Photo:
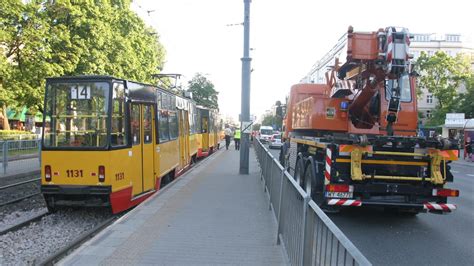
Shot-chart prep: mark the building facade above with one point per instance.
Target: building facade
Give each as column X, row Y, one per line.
column 452, row 45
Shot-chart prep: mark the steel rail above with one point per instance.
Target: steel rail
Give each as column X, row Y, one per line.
column 20, row 183
column 51, row 260
column 19, row 199
column 24, row 223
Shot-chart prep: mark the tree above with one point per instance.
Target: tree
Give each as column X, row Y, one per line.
column 442, row 76
column 256, row 127
column 466, row 103
column 42, row 38
column 203, row 91
column 272, row 120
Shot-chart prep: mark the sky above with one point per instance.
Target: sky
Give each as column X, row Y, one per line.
column 286, row 38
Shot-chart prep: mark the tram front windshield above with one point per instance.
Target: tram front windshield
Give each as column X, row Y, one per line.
column 76, row 115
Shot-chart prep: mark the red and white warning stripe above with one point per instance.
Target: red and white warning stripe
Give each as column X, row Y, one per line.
column 327, row 172
column 345, row 202
column 439, row 206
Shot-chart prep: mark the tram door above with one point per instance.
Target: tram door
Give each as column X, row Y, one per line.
column 205, row 134
column 141, row 124
column 184, row 138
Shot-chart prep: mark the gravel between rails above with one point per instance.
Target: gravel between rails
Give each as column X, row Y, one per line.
column 41, row 239
column 19, row 191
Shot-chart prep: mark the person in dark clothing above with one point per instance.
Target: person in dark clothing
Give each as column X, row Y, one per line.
column 469, row 150
column 227, row 133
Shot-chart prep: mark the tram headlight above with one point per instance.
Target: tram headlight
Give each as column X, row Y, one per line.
column 47, row 173
column 101, row 173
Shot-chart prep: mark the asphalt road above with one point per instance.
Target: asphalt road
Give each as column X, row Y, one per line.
column 426, row 239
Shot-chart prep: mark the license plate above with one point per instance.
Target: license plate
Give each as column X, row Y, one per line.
column 343, row 195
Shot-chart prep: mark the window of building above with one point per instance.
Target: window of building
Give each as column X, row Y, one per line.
column 118, row 133
column 173, row 121
column 428, row 114
column 429, row 98
column 163, row 128
column 452, row 38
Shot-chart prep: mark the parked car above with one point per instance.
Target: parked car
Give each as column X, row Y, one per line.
column 275, row 141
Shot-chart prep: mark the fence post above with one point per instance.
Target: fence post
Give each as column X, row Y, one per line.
column 309, row 235
column 269, row 188
column 280, row 209
column 265, row 175
column 306, row 199
column 5, row 156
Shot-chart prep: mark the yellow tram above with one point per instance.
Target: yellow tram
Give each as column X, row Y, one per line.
column 113, row 142
column 207, row 138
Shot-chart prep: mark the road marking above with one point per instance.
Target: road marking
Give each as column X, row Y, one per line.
column 456, row 172
column 470, row 174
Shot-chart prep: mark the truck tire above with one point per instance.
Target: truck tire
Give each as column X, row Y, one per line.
column 314, row 186
column 299, row 170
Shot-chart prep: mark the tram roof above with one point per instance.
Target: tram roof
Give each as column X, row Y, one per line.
column 142, row 93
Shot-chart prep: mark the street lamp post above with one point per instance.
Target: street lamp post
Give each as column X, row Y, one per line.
column 245, row 100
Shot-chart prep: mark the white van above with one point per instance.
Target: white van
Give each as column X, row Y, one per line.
column 265, row 133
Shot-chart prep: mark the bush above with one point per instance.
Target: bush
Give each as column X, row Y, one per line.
column 17, row 135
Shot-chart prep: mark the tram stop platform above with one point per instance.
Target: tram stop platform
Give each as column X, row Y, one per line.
column 209, row 216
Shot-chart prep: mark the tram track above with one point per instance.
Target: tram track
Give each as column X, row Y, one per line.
column 23, row 223
column 49, row 236
column 52, row 259
column 7, row 191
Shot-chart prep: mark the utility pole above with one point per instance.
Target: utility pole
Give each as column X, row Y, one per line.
column 245, row 100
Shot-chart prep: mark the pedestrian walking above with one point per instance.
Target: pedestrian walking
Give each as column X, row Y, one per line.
column 237, row 139
column 227, row 133
column 469, row 150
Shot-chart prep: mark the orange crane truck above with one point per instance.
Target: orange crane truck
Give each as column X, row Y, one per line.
column 353, row 140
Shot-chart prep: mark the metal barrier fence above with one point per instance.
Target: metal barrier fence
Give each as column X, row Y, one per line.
column 20, row 156
column 307, row 233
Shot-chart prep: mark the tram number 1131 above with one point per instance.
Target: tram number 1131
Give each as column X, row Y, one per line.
column 119, row 176
column 74, row 173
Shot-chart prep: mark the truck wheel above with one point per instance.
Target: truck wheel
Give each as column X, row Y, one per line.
column 299, row 170
column 313, row 185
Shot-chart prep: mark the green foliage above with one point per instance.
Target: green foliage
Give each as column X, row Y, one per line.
column 256, row 127
column 16, row 135
column 41, row 38
column 203, row 91
column 466, row 102
column 271, row 120
column 442, row 76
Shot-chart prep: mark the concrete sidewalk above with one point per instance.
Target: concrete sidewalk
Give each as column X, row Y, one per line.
column 22, row 167
column 462, row 161
column 210, row 216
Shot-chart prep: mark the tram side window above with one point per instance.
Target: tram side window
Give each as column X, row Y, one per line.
column 197, row 118
column 204, row 125
column 147, row 124
column 118, row 134
column 163, row 127
column 135, row 123
column 174, row 130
